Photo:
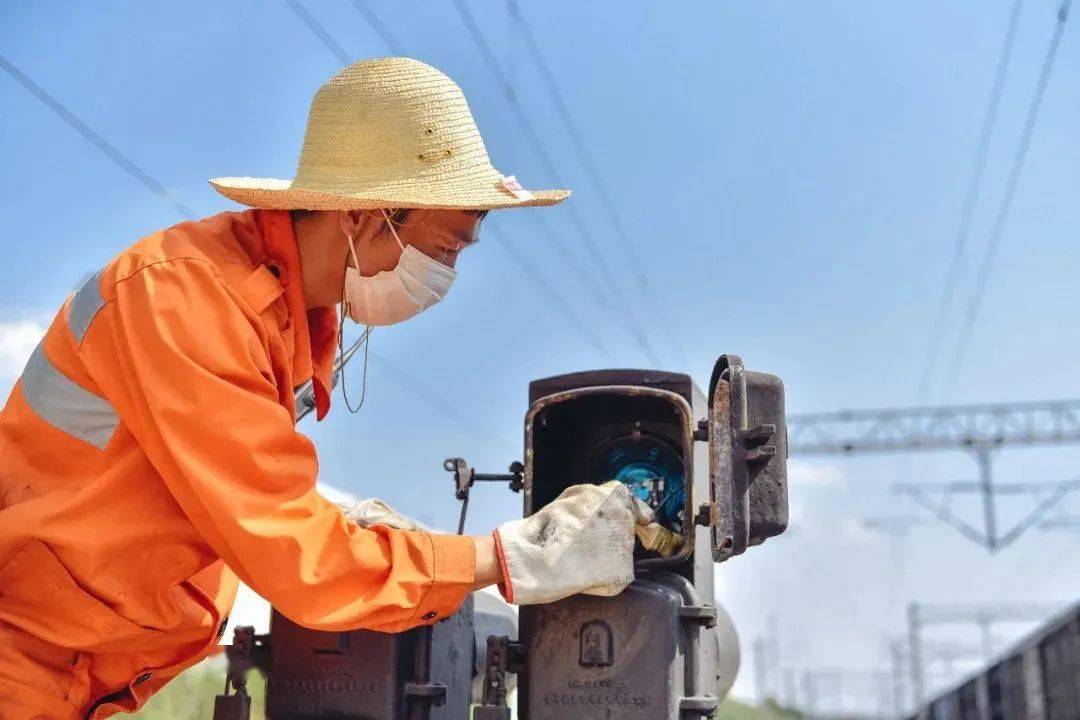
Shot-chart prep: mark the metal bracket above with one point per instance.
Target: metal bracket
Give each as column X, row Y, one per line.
column 233, row 707
column 247, row 651
column 432, row 692
column 753, row 442
column 698, row 706
column 465, row 477
column 704, row 614
column 701, row 432
column 502, row 657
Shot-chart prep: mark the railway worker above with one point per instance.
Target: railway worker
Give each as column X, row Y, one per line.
column 149, row 456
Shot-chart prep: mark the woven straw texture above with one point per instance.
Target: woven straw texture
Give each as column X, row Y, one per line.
column 388, row 133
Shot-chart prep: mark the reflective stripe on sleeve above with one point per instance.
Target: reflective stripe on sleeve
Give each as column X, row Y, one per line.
column 66, row 405
column 84, row 306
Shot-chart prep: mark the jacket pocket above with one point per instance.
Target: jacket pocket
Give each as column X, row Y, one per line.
column 39, row 596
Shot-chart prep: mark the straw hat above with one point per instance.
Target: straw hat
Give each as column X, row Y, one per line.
column 389, row 133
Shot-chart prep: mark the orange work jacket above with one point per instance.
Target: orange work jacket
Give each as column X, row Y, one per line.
column 148, row 457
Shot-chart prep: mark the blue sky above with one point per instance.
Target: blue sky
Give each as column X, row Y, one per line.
column 791, row 175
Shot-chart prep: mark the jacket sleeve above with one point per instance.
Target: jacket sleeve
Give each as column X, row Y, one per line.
column 192, row 380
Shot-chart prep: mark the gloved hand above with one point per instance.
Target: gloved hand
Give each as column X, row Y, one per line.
column 374, row 511
column 583, row 541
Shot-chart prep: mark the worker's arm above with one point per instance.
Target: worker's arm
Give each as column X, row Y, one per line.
column 373, row 511
column 191, row 379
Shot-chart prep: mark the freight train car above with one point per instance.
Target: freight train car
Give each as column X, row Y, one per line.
column 1038, row 679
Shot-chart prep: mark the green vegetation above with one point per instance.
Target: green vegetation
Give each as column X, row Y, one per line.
column 191, row 697
column 735, row 710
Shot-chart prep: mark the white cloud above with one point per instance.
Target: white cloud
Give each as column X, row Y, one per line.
column 18, row 337
column 803, row 474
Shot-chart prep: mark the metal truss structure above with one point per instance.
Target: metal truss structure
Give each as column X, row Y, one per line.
column 978, row 429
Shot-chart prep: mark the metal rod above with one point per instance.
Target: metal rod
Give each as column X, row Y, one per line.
column 944, row 515
column 915, row 654
column 986, row 477
column 464, row 509
column 420, row 707
column 1041, row 509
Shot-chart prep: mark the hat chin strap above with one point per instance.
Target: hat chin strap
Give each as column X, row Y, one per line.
column 393, row 230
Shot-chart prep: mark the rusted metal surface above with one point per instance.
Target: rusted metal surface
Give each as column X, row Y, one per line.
column 649, row 653
column 682, row 430
column 366, row 675
column 677, row 383
column 1038, row 679
column 501, row 657
column 1006, row 699
column 1059, row 653
column 592, row 658
column 748, row 457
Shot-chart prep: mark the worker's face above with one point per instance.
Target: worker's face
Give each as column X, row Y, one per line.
column 440, row 234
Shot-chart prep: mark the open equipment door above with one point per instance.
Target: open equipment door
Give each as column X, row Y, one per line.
column 747, row 457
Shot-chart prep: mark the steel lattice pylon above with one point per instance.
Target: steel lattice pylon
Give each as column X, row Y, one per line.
column 978, row 429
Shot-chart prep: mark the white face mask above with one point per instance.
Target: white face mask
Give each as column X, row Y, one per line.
column 416, row 283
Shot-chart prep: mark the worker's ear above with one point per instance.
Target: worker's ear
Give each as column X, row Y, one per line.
column 351, row 221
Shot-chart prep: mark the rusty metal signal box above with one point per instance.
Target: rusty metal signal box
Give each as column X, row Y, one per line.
column 363, row 674
column 714, row 470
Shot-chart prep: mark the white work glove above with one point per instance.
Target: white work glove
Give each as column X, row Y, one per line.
column 374, row 511
column 582, row 542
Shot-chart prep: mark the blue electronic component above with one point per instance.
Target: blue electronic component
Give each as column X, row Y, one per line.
column 652, row 471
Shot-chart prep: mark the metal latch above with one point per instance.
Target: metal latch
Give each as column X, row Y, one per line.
column 247, row 651
column 465, row 476
column 704, row 614
column 502, row 657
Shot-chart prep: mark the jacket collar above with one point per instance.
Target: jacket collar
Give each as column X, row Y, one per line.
column 314, row 331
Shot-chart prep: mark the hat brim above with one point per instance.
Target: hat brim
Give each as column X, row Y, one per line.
column 278, row 194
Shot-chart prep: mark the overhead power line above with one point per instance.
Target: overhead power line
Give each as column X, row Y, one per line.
column 631, row 321
column 549, row 294
column 556, row 240
column 94, row 138
column 998, row 230
column 573, row 262
column 595, row 177
column 158, row 189
column 381, row 30
column 552, row 296
column 320, row 32
column 970, row 199
column 436, row 401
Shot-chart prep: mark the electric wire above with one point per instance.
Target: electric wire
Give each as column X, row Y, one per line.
column 558, row 242
column 380, row 29
column 424, row 393
column 971, row 197
column 998, row 229
column 320, row 32
column 94, row 138
column 629, row 316
column 551, row 295
column 436, row 401
column 159, row 190
column 628, row 248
